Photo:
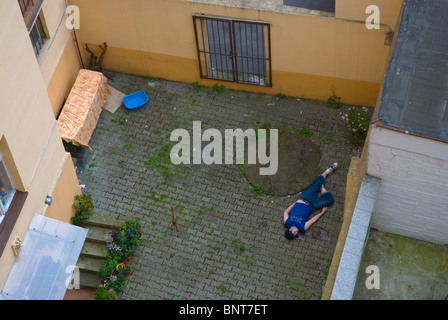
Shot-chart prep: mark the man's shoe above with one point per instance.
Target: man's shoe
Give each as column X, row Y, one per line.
column 332, row 168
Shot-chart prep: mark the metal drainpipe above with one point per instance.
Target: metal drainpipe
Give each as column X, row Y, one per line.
column 75, row 38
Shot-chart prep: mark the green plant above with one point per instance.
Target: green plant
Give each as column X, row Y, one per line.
column 161, row 164
column 266, row 126
column 303, row 132
column 129, row 236
column 120, row 250
column 102, row 293
column 357, row 122
column 306, row 133
column 173, row 295
column 250, row 261
column 280, row 96
column 218, row 88
column 336, row 213
column 222, row 288
column 334, row 101
column 83, row 208
column 257, row 189
column 242, row 170
column 329, row 139
column 197, row 86
column 121, row 163
column 122, row 121
column 288, row 284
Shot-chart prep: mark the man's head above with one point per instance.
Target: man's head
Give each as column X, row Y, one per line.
column 292, row 233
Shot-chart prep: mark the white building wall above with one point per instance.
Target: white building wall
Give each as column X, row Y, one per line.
column 413, row 197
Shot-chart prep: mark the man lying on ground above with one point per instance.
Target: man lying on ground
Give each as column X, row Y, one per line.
column 296, row 216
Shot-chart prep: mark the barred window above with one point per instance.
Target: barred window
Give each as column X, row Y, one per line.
column 7, row 190
column 233, row 50
column 38, row 36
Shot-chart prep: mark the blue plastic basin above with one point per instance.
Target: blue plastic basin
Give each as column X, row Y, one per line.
column 135, row 100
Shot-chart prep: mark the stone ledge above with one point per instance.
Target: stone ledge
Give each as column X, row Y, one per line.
column 347, row 273
column 102, row 221
column 267, row 5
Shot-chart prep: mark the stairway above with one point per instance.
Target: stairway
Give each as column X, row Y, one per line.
column 94, row 251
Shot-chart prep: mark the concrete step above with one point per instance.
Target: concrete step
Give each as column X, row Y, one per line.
column 91, row 265
column 94, row 250
column 102, row 221
column 99, row 235
column 89, row 280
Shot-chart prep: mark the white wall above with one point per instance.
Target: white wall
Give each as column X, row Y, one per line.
column 413, row 197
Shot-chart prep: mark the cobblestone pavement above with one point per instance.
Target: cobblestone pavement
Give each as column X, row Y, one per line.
column 231, row 243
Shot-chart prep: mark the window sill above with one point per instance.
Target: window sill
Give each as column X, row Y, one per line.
column 10, row 218
column 43, row 52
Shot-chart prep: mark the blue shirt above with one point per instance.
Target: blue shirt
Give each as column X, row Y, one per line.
column 298, row 216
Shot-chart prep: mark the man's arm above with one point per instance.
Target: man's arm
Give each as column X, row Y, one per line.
column 286, row 212
column 314, row 219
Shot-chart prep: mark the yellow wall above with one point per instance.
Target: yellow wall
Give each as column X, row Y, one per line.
column 311, row 55
column 29, row 138
column 64, row 77
column 63, row 192
column 59, row 62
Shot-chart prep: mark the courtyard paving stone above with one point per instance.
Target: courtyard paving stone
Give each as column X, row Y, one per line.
column 231, row 243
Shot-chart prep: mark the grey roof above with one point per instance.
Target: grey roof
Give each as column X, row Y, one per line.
column 415, row 91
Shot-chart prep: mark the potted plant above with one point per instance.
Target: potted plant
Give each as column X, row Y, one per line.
column 120, row 250
column 83, row 208
column 102, row 293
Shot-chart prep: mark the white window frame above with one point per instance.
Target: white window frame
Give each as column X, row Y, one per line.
column 4, row 207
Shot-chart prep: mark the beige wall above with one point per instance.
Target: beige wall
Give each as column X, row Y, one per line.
column 53, row 16
column 26, row 122
column 311, row 55
column 30, row 140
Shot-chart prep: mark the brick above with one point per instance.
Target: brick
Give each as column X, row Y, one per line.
column 196, row 268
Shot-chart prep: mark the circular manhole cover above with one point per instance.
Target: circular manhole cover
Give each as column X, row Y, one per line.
column 298, row 158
